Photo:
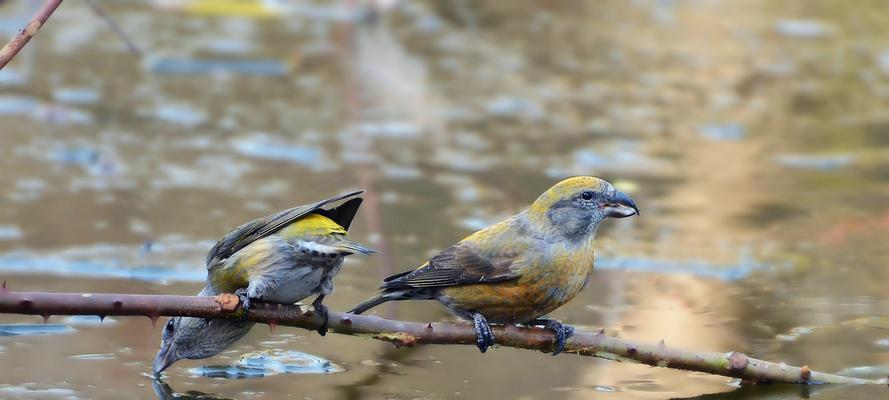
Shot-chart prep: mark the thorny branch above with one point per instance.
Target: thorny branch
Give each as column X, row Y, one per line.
column 21, row 39
column 402, row 333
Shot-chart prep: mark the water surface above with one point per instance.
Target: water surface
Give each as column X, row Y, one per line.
column 754, row 136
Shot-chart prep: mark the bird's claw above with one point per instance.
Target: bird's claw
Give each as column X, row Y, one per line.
column 321, row 309
column 484, row 337
column 562, row 332
column 245, row 301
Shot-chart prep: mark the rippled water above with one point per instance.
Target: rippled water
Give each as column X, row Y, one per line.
column 263, row 364
column 754, row 135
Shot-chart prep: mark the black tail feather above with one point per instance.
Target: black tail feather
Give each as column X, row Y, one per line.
column 394, row 295
column 370, row 303
column 344, row 214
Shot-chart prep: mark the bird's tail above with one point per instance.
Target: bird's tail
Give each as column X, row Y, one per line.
column 349, row 247
column 383, row 297
column 391, row 295
column 370, row 303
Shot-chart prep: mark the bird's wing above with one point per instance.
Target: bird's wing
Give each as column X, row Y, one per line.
column 245, row 234
column 461, row 264
column 344, row 213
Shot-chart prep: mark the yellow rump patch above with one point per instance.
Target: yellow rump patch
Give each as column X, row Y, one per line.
column 312, row 224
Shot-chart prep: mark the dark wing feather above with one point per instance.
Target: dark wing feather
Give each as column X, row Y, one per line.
column 457, row 265
column 343, row 214
column 398, row 275
column 257, row 229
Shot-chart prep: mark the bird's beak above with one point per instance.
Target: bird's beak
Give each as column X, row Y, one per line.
column 620, row 206
column 165, row 357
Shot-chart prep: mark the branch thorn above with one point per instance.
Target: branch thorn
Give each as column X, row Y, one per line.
column 153, row 318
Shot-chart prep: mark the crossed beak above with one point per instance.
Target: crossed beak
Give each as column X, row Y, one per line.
column 620, row 206
column 165, row 357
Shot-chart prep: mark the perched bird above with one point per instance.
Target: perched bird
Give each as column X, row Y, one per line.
column 520, row 269
column 282, row 258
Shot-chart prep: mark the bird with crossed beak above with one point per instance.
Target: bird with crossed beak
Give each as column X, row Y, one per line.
column 520, row 269
column 282, row 258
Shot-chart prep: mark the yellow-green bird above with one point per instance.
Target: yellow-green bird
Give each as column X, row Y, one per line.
column 281, row 258
column 520, row 269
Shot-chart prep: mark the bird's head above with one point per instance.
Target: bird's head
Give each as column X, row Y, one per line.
column 175, row 344
column 196, row 338
column 576, row 206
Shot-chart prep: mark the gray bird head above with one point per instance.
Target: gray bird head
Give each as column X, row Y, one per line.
column 196, row 338
column 574, row 207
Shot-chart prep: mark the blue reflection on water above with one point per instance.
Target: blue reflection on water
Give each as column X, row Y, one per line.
column 260, row 364
column 34, row 329
column 33, row 264
column 97, row 269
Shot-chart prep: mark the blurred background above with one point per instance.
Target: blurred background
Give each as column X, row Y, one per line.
column 754, row 135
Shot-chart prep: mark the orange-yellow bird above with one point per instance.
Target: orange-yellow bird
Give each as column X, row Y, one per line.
column 520, row 269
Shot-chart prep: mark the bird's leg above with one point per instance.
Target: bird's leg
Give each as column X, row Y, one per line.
column 245, row 301
column 321, row 309
column 484, row 337
column 562, row 332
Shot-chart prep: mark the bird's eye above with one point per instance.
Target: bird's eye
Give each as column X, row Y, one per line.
column 167, row 335
column 587, row 195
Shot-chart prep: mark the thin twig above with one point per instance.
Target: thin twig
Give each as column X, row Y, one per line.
column 21, row 39
column 402, row 333
column 100, row 12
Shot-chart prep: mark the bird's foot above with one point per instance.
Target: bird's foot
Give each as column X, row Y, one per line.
column 484, row 337
column 321, row 309
column 562, row 332
column 245, row 302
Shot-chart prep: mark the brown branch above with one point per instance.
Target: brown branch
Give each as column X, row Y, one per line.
column 21, row 39
column 402, row 333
